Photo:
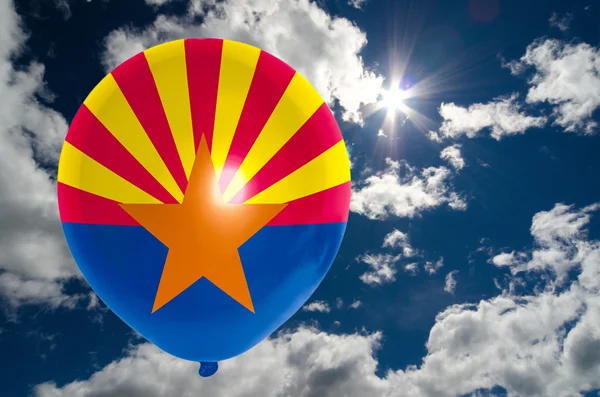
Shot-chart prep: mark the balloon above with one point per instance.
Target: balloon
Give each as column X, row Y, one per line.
column 204, row 190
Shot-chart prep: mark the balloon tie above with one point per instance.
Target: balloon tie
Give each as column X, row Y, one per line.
column 208, row 368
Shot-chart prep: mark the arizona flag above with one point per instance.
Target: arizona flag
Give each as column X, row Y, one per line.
column 204, row 189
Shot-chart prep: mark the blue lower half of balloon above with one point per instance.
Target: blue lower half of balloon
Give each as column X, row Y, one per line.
column 283, row 267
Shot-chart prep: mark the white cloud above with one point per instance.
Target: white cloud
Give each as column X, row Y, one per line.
column 504, row 259
column 156, row 3
column 356, row 304
column 450, row 284
column 433, row 267
column 558, row 242
column 453, row 156
column 538, row 345
column 18, row 290
column 305, row 363
column 514, row 342
column 561, row 23
column 397, row 239
column 457, row 202
column 483, row 163
column 63, row 6
column 400, row 191
column 328, row 53
column 566, row 76
column 33, row 252
column 317, row 306
column 503, row 116
column 358, row 4
column 412, row 268
column 434, row 136
column 383, row 268
column 541, row 345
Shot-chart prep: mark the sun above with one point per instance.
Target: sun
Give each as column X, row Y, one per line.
column 393, row 100
column 397, row 100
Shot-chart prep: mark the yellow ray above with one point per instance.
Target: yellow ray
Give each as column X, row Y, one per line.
column 238, row 63
column 80, row 171
column 329, row 169
column 167, row 63
column 299, row 102
column 109, row 105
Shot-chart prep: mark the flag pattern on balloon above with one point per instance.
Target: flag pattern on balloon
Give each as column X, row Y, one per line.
column 271, row 140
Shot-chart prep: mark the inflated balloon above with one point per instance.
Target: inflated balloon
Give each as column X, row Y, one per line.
column 204, row 190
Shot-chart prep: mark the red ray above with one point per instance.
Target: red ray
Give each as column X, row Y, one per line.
column 270, row 80
column 90, row 136
column 135, row 79
column 77, row 206
column 317, row 135
column 203, row 61
column 328, row 206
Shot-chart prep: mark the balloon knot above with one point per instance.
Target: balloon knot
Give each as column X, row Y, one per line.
column 208, row 368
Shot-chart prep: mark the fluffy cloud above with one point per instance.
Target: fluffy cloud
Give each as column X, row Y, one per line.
column 383, row 268
column 33, row 254
column 453, row 156
column 400, row 191
column 566, row 76
column 433, row 267
column 324, row 307
column 358, row 4
column 434, row 136
column 450, row 282
column 504, row 259
column 503, row 116
column 558, row 242
column 156, row 3
column 545, row 344
column 397, row 239
column 305, row 363
column 317, row 306
column 561, row 23
column 539, row 345
column 412, row 268
column 356, row 304
column 18, row 290
column 328, row 53
column 63, row 6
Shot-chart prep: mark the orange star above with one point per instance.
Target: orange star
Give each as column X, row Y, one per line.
column 203, row 235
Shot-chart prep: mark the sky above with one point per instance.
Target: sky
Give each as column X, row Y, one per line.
column 471, row 260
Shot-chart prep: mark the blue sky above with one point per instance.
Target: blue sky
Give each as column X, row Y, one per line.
column 471, row 261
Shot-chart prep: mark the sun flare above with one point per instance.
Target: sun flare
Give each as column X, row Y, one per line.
column 393, row 100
